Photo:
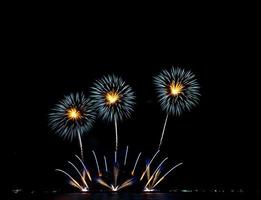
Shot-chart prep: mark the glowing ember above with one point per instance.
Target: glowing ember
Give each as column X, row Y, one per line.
column 73, row 114
column 175, row 89
column 112, row 97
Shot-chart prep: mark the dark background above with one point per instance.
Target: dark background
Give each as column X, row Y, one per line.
column 48, row 57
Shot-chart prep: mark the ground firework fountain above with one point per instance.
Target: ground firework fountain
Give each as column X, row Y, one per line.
column 113, row 178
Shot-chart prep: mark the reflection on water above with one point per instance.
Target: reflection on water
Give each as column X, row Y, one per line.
column 117, row 196
column 131, row 196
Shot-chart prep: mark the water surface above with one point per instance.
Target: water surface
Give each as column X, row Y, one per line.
column 131, row 196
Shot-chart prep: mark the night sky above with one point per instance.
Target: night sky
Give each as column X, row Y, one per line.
column 217, row 141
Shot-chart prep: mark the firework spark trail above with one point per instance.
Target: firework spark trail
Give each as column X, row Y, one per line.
column 105, row 163
column 148, row 172
column 155, row 177
column 83, row 180
column 156, row 170
column 87, row 172
column 80, row 143
column 116, row 187
column 76, row 184
column 163, row 131
column 149, row 165
column 126, row 183
column 133, row 170
column 115, row 157
column 115, row 174
column 82, row 189
column 97, row 163
column 126, row 154
column 116, row 134
column 102, row 182
column 166, row 174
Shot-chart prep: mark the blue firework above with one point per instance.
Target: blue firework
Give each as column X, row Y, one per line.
column 113, row 98
column 177, row 90
column 72, row 116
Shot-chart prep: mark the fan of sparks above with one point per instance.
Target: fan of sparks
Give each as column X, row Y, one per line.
column 117, row 174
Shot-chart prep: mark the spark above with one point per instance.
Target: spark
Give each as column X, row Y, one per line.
column 87, row 172
column 156, row 170
column 116, row 187
column 147, row 168
column 126, row 183
column 166, row 174
column 148, row 171
column 126, row 154
column 156, row 177
column 97, row 163
column 115, row 174
column 80, row 144
column 116, row 135
column 163, row 131
column 102, row 182
column 82, row 177
column 85, row 189
column 132, row 172
column 105, row 163
column 148, row 190
column 73, row 182
column 115, row 157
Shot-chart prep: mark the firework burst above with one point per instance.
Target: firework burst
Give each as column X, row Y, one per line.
column 114, row 100
column 72, row 117
column 178, row 91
